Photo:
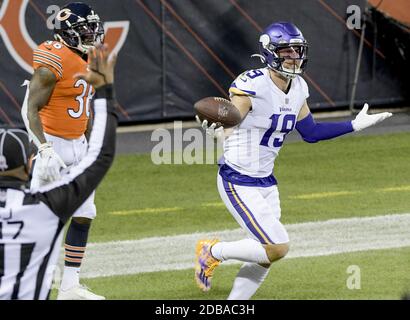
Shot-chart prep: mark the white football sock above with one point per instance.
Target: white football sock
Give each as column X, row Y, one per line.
column 247, row 281
column 71, row 278
column 247, row 250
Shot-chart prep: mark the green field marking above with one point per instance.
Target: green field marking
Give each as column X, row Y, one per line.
column 146, row 210
column 395, row 189
column 214, row 204
column 320, row 195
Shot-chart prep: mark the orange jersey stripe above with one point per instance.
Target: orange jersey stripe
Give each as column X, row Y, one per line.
column 50, row 63
column 47, row 58
column 51, row 55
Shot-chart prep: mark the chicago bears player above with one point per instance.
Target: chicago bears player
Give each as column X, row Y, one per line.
column 272, row 102
column 58, row 118
column 31, row 223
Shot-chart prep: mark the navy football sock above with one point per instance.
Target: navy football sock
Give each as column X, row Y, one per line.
column 75, row 243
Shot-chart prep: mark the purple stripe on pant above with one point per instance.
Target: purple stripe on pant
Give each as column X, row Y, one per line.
column 264, row 239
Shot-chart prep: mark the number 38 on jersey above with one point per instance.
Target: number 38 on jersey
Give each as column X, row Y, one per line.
column 83, row 100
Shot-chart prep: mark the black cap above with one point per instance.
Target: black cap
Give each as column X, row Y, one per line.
column 14, row 148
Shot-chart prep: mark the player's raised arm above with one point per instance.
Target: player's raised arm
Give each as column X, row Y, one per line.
column 313, row 132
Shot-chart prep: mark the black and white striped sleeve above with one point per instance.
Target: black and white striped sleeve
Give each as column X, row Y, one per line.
column 64, row 197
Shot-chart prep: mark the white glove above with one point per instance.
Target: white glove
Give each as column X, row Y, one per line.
column 364, row 120
column 49, row 163
column 217, row 133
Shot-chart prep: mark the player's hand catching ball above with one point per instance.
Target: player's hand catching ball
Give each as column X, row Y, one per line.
column 217, row 133
column 100, row 67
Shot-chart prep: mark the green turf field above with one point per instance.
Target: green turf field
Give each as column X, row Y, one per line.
column 383, row 274
column 347, row 177
column 364, row 176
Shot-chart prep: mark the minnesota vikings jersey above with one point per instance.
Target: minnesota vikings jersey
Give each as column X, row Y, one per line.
column 253, row 146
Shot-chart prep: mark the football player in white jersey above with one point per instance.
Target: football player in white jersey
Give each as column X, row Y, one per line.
column 272, row 102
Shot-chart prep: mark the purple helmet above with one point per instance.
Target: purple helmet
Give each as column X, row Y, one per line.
column 276, row 41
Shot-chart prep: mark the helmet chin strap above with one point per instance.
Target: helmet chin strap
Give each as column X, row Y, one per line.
column 289, row 73
column 283, row 73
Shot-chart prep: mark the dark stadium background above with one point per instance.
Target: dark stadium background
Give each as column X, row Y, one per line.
column 179, row 51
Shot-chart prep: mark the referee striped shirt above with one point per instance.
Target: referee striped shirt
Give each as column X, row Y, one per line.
column 31, row 222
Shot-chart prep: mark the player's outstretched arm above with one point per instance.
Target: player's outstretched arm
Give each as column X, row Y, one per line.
column 313, row 132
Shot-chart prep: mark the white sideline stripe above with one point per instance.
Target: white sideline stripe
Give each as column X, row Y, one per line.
column 307, row 240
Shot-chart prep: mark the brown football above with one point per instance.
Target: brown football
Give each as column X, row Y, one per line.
column 218, row 110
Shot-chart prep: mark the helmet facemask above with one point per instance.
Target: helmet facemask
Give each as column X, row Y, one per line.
column 83, row 34
column 286, row 58
column 291, row 60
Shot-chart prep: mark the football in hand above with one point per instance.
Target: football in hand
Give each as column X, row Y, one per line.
column 218, row 110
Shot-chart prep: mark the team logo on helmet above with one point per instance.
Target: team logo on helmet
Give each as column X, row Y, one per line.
column 63, row 15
